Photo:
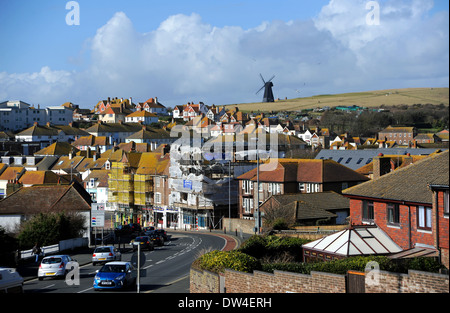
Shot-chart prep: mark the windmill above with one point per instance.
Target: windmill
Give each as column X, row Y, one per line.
column 268, row 94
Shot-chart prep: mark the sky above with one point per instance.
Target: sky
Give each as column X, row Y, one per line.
column 214, row 51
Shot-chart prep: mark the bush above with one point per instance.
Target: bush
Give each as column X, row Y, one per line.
column 272, row 247
column 50, row 228
column 357, row 264
column 217, row 261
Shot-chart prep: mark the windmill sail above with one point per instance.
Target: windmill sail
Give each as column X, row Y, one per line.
column 268, row 94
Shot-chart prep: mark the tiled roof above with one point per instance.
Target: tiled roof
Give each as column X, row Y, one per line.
column 114, row 128
column 12, row 173
column 303, row 170
column 142, row 114
column 55, row 198
column 150, row 133
column 57, row 148
column 100, row 175
column 312, row 205
column 152, row 164
column 65, row 162
column 409, row 183
column 41, row 178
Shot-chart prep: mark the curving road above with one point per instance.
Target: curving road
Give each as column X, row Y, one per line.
column 167, row 267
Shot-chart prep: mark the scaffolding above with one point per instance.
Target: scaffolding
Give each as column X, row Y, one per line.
column 121, row 184
column 143, row 189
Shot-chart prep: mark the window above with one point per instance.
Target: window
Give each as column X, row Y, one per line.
column 368, row 214
column 393, row 213
column 157, row 197
column 424, row 218
column 247, row 204
column 247, row 186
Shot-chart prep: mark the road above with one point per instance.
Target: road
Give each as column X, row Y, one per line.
column 167, row 267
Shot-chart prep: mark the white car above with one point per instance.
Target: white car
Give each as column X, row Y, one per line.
column 10, row 281
column 56, row 266
column 106, row 254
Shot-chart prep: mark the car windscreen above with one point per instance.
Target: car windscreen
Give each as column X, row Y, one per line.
column 113, row 268
column 102, row 250
column 51, row 261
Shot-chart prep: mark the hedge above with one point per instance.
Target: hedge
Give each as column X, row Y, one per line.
column 357, row 264
column 273, row 246
column 217, row 261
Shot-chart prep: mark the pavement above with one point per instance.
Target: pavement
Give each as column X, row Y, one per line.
column 28, row 268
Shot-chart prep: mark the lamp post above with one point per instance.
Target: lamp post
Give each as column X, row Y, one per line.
column 258, row 221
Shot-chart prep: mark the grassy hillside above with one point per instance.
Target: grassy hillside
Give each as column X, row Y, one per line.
column 376, row 98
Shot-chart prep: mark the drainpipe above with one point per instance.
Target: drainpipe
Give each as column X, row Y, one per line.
column 409, row 226
column 436, row 205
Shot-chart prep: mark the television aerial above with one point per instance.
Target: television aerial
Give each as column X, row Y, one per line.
column 268, row 94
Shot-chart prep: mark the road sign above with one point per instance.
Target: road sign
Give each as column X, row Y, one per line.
column 97, row 218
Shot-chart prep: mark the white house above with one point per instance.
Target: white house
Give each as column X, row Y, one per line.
column 17, row 115
column 144, row 117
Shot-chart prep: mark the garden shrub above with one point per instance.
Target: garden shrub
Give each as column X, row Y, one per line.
column 272, row 247
column 357, row 264
column 217, row 261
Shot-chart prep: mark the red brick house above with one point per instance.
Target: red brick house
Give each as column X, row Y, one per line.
column 283, row 176
column 410, row 204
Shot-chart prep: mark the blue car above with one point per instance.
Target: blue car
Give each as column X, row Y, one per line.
column 115, row 275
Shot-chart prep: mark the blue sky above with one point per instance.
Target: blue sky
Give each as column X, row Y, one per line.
column 213, row 51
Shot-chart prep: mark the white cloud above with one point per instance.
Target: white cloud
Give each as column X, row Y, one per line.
column 185, row 59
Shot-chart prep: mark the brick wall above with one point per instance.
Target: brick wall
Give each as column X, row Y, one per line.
column 413, row 282
column 204, row 282
column 316, row 282
column 283, row 282
column 261, row 282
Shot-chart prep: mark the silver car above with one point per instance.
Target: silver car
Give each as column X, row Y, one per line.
column 56, row 266
column 106, row 254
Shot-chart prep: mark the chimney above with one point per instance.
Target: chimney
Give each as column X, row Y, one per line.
column 381, row 166
column 156, row 100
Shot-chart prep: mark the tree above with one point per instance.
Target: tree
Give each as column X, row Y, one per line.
column 50, row 228
column 9, row 246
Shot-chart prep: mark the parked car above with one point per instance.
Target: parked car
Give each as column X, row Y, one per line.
column 123, row 230
column 10, row 281
column 163, row 234
column 157, row 239
column 144, row 241
column 128, row 229
column 115, row 275
column 106, row 254
column 56, row 266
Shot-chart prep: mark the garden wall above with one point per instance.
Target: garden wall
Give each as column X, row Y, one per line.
column 316, row 282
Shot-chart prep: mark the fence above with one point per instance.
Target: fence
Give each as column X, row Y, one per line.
column 63, row 245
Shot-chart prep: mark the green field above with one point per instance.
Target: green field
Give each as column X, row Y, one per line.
column 369, row 99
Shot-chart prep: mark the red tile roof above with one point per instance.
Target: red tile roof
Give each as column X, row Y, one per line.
column 303, row 170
